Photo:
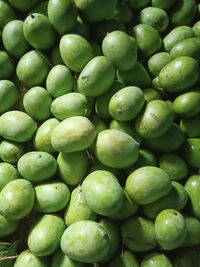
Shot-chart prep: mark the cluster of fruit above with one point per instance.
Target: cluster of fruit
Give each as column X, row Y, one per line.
column 100, row 133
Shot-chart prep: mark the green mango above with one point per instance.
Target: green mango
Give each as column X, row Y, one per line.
column 81, row 28
column 37, row 166
column 41, row 8
column 196, row 28
column 16, row 199
column 56, row 57
column 191, row 126
column 8, row 95
column 191, row 150
column 23, row 5
column 138, row 234
column 187, row 258
column 176, row 199
column 165, row 5
column 100, row 124
column 77, row 209
column 11, row 152
column 45, row 235
column 151, row 94
column 156, row 84
column 156, row 260
column 157, row 62
column 123, row 13
column 27, row 258
column 7, row 14
column 7, row 227
column 138, row 4
column 85, row 241
column 8, row 173
column 6, row 65
column 62, row 260
column 193, row 232
column 170, row 229
column 148, row 184
column 126, row 259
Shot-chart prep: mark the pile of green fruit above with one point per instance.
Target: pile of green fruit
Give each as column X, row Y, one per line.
column 99, row 133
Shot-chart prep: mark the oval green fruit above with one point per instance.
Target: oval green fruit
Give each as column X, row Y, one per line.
column 27, row 258
column 7, row 14
column 62, row 260
column 6, row 65
column 193, row 232
column 157, row 62
column 156, row 260
column 8, row 173
column 191, row 150
column 23, row 5
column 7, row 227
column 8, row 95
column 11, row 152
column 165, row 5
column 191, row 126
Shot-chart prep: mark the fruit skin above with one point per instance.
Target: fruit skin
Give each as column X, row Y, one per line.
column 179, row 74
column 187, row 258
column 157, row 62
column 96, row 77
column 37, row 166
column 193, row 232
column 16, row 199
column 8, row 95
column 7, row 14
column 6, row 65
column 75, row 51
column 32, row 69
column 170, row 229
column 17, row 126
column 27, row 258
column 138, row 4
column 44, row 239
column 73, row 134
column 11, row 152
column 148, row 184
column 166, row 5
column 102, row 192
column 121, row 49
column 7, row 227
column 191, row 126
column 62, row 260
column 196, row 28
column 23, row 5
column 8, row 173
column 156, row 260
column 127, row 259
column 62, row 15
column 116, row 149
column 85, row 241
column 191, row 150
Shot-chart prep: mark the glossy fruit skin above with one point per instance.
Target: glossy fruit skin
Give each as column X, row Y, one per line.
column 138, row 234
column 96, row 77
column 102, row 192
column 170, row 229
column 7, row 227
column 8, row 95
column 62, row 260
column 148, row 184
column 6, row 65
column 196, row 29
column 151, row 94
column 127, row 259
column 37, row 166
column 17, row 199
column 116, row 149
column 193, row 232
column 44, row 239
column 191, row 150
column 191, row 126
column 7, row 14
column 8, row 173
column 85, row 241
column 11, row 152
column 26, row 257
column 17, row 126
column 62, row 15
column 23, row 5
column 158, row 61
column 156, row 260
column 73, row 134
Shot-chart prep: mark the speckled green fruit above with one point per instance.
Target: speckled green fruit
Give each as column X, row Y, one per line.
column 6, row 65
column 62, row 260
column 8, row 95
column 174, row 165
column 170, row 229
column 151, row 94
column 78, row 210
column 187, row 258
column 27, row 258
column 45, row 234
column 176, row 199
column 102, row 192
column 191, row 126
column 127, row 103
column 192, row 187
column 147, row 38
column 155, row 120
column 179, row 74
column 157, row 62
column 73, row 134
column 85, row 241
column 155, row 17
column 13, row 39
column 156, row 260
column 72, row 167
column 37, row 166
column 127, row 259
column 69, row 105
column 121, row 49
column 38, row 31
column 8, row 173
column 11, row 152
column 7, row 227
column 7, row 14
column 97, row 77
column 163, row 4
column 175, row 35
column 17, row 126
column 116, row 149
column 42, row 139
column 23, row 5
column 138, row 234
column 59, row 81
column 32, row 69
column 191, row 153
column 17, row 199
column 193, row 232
column 148, row 184
column 62, row 15
column 196, row 28
column 75, row 51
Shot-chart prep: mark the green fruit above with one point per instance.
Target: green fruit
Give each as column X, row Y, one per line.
column 196, row 28
column 193, row 232
column 170, row 229
column 13, row 39
column 11, row 152
column 148, row 184
column 8, row 95
column 7, row 14
column 17, row 126
column 97, row 165
column 138, row 234
column 73, row 134
column 81, row 28
column 116, row 149
column 75, row 51
column 41, row 8
column 100, row 124
column 147, row 38
column 6, row 65
column 187, row 258
column 85, row 241
column 97, row 77
column 191, row 150
column 38, row 31
column 156, row 260
column 62, row 260
column 138, row 4
column 16, row 199
column 121, row 49
column 102, row 192
column 78, row 210
column 32, row 69
column 56, row 57
column 123, row 13
column 157, row 62
column 59, row 81
column 23, row 5
column 7, row 227
column 191, row 126
column 127, row 103
column 127, row 259
column 8, row 173
column 37, row 166
column 27, row 258
column 45, row 235
column 163, row 4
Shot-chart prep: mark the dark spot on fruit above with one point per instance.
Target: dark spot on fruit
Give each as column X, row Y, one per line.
column 32, row 16
column 86, row 77
column 154, row 116
column 175, row 213
column 40, row 155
